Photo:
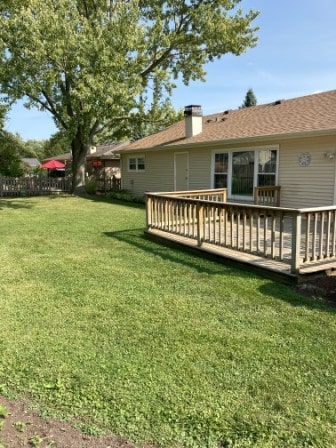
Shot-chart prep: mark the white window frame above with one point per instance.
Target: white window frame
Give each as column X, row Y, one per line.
column 136, row 157
column 230, row 152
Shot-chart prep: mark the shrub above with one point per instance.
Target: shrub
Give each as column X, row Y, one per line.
column 91, row 186
column 128, row 196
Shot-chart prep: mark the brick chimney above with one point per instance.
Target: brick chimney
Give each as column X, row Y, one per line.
column 193, row 120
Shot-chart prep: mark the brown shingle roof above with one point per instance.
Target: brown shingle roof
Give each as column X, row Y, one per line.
column 110, row 151
column 294, row 116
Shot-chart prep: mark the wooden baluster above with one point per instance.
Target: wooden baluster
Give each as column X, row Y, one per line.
column 322, row 216
column 281, row 239
column 148, row 212
column 307, row 242
column 327, row 248
column 200, row 224
column 296, row 243
column 333, row 250
column 265, row 234
column 314, row 237
column 251, row 230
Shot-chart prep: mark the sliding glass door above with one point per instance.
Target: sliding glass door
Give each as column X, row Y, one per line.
column 242, row 173
column 241, row 170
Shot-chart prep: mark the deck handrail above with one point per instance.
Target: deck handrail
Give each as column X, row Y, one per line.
column 218, row 194
column 297, row 237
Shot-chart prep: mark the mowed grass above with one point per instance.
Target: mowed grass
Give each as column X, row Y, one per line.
column 152, row 343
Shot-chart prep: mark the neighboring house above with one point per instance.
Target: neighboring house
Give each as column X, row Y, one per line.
column 101, row 161
column 290, row 143
column 30, row 163
column 64, row 158
column 104, row 160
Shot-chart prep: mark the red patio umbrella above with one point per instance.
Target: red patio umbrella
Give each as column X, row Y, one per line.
column 52, row 165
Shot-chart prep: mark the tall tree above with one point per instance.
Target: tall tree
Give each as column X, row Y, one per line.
column 250, row 99
column 33, row 148
column 90, row 62
column 56, row 145
column 11, row 148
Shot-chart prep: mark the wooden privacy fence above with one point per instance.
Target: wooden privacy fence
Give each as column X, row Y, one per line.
column 33, row 186
column 108, row 184
column 296, row 237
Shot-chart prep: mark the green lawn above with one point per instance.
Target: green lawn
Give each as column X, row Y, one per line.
column 153, row 343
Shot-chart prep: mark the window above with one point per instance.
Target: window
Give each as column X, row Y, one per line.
column 136, row 163
column 242, row 173
column 267, row 167
column 221, row 170
column 242, row 169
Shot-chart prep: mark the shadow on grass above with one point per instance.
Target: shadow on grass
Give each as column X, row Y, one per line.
column 114, row 201
column 136, row 238
column 273, row 288
column 290, row 295
column 15, row 203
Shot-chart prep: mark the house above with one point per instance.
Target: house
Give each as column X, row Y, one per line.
column 101, row 161
column 290, row 143
column 30, row 163
column 104, row 160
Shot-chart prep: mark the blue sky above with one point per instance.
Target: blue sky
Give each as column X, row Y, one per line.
column 295, row 56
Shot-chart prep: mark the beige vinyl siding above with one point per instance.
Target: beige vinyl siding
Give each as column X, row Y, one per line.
column 158, row 174
column 310, row 186
column 301, row 187
column 159, row 171
column 200, row 169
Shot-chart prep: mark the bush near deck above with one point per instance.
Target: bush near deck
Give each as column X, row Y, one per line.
column 152, row 343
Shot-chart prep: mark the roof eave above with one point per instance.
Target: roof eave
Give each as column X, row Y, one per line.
column 232, row 141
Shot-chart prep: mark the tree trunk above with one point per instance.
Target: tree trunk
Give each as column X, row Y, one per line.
column 79, row 152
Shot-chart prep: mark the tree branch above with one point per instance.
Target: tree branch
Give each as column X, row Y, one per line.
column 48, row 105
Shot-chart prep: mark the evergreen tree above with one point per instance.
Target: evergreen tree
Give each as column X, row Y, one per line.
column 250, row 99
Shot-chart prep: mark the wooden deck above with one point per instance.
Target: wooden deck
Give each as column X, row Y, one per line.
column 286, row 241
column 273, row 267
column 218, row 252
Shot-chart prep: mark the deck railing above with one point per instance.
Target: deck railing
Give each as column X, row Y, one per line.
column 269, row 196
column 219, row 194
column 31, row 186
column 295, row 237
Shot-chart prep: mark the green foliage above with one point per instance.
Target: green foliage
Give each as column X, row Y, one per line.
column 35, row 441
column 92, row 65
column 11, row 148
column 3, row 111
column 58, row 144
column 90, row 430
column 250, row 99
column 20, row 426
column 33, row 148
column 91, row 186
column 128, row 196
column 3, row 412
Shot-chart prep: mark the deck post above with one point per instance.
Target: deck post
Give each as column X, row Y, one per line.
column 296, row 243
column 200, row 224
column 148, row 211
